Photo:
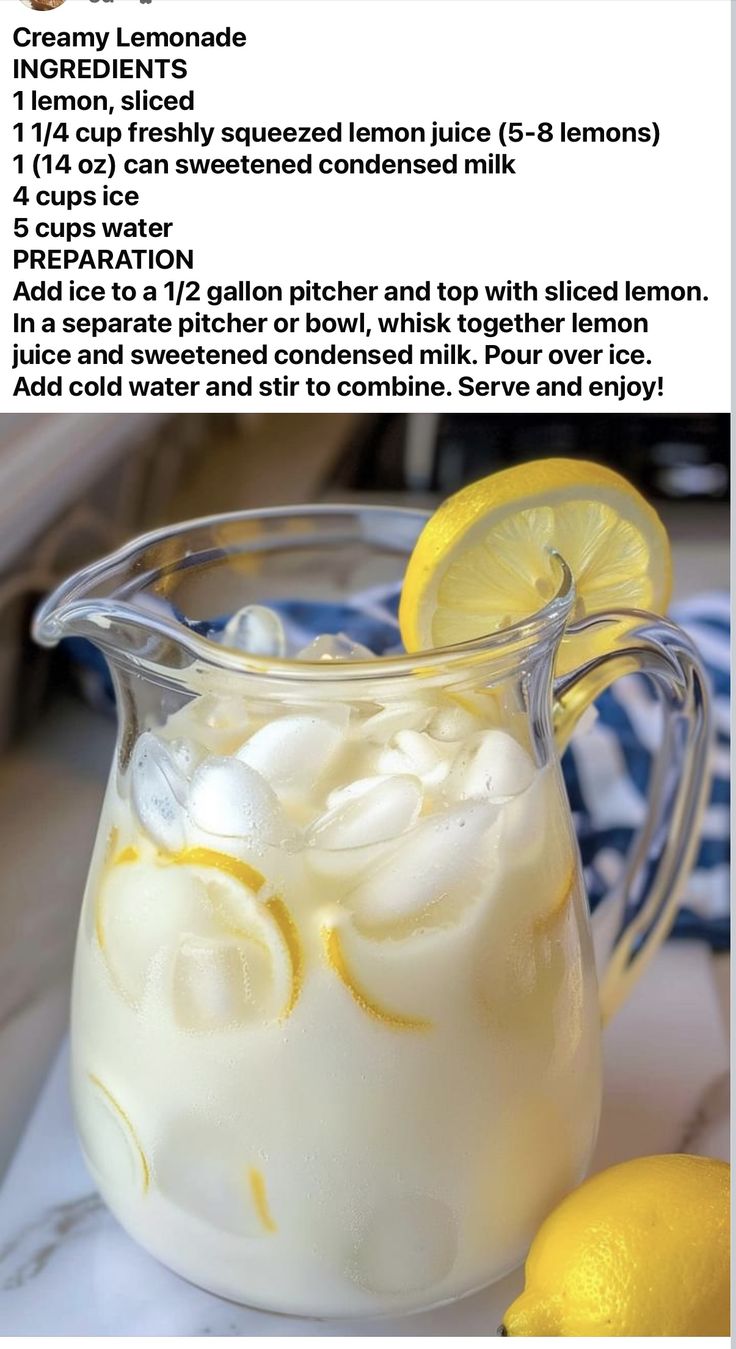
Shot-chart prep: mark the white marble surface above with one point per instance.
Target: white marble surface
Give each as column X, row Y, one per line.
column 67, row 1268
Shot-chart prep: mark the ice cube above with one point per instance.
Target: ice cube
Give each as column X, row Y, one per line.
column 230, row 799
column 219, row 724
column 245, row 967
column 369, row 811
column 441, row 858
column 202, row 1168
column 328, row 709
column 451, row 721
column 409, row 1245
column 491, row 765
column 350, row 791
column 143, row 909
column 158, row 791
column 257, row 630
column 293, row 752
column 415, row 753
column 185, row 754
column 108, row 1137
column 334, row 646
column 345, row 866
column 219, row 983
column 406, row 716
column 536, row 833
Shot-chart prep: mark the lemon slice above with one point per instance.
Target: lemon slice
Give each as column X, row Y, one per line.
column 336, row 960
column 266, row 922
column 236, row 957
column 220, row 861
column 483, row 561
column 110, row 1139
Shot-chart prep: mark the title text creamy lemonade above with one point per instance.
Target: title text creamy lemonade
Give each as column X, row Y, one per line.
column 329, row 986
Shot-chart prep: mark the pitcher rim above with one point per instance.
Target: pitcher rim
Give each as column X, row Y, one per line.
column 64, row 607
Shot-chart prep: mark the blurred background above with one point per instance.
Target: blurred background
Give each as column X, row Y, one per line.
column 74, row 487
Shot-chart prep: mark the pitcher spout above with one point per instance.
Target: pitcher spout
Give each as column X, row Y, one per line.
column 72, row 610
column 162, row 602
column 83, row 607
column 121, row 603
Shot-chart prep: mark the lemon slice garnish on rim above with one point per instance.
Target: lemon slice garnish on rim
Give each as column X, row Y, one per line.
column 484, row 559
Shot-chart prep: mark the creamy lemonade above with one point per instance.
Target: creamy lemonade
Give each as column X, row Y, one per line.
column 335, row 1040
column 335, row 1015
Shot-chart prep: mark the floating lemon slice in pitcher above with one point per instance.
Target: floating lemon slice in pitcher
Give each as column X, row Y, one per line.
column 484, row 559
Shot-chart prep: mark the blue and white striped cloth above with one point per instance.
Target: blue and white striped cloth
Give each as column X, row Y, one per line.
column 606, row 767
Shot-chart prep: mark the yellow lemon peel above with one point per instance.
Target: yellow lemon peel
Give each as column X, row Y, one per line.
column 335, row 957
column 145, row 1168
column 99, row 926
column 221, row 861
column 276, row 907
column 129, row 854
column 290, row 935
column 260, row 1199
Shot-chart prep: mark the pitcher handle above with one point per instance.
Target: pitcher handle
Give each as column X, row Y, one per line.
column 663, row 852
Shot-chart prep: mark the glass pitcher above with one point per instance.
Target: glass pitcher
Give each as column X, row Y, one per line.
column 336, row 1019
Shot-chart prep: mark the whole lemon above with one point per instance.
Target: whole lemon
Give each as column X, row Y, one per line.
column 640, row 1249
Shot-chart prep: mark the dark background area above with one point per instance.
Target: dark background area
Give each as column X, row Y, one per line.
column 668, row 457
